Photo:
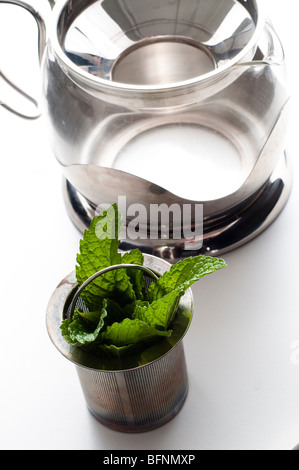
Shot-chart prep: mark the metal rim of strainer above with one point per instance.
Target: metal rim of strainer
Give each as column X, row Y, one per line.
column 60, row 301
column 81, row 287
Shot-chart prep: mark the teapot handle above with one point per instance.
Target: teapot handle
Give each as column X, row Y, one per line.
column 275, row 52
column 40, row 10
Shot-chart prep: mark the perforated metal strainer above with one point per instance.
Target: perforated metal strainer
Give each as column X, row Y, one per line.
column 127, row 394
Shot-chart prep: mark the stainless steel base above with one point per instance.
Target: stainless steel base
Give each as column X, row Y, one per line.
column 221, row 233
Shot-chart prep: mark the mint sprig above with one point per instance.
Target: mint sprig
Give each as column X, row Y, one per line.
column 183, row 274
column 122, row 315
column 131, row 331
column 98, row 250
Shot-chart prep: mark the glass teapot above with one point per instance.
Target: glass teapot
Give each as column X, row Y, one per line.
column 169, row 106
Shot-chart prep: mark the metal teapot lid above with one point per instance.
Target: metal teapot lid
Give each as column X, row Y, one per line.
column 153, row 44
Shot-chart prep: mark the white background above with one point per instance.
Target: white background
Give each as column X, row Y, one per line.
column 242, row 348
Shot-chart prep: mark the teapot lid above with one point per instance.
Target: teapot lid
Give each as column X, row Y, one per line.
column 146, row 44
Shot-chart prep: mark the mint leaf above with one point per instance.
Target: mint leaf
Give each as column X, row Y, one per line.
column 110, row 350
column 160, row 313
column 79, row 330
column 115, row 313
column 183, row 274
column 136, row 275
column 92, row 317
column 133, row 257
column 130, row 331
column 98, row 250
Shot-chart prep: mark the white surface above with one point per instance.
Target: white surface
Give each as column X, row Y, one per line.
column 243, row 346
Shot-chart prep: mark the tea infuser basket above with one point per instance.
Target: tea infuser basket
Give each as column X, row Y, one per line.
column 124, row 394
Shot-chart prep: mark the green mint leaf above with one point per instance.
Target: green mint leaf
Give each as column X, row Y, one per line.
column 79, row 330
column 160, row 313
column 130, row 331
column 136, row 275
column 98, row 250
column 92, row 317
column 183, row 274
column 110, row 350
column 133, row 257
column 115, row 313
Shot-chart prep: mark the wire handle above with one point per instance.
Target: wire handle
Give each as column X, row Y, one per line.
column 40, row 10
column 103, row 271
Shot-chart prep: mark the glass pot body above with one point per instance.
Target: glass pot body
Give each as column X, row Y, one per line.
column 95, row 121
column 167, row 101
